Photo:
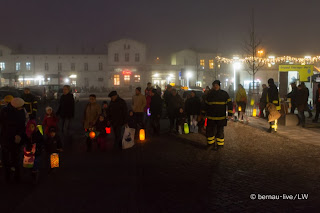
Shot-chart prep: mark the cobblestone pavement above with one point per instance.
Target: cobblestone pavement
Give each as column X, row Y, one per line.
column 177, row 174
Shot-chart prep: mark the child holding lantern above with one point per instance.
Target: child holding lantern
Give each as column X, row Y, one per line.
column 52, row 145
column 102, row 126
column 181, row 120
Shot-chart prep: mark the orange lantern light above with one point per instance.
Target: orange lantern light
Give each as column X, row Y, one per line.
column 239, row 108
column 142, row 135
column 108, row 130
column 206, row 122
column 254, row 113
column 54, row 160
column 92, row 134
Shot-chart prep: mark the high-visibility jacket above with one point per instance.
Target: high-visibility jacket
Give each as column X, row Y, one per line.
column 241, row 95
column 216, row 105
column 30, row 103
column 273, row 96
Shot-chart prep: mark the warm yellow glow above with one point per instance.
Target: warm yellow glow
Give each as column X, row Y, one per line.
column 211, row 64
column 54, row 160
column 202, row 62
column 116, row 80
column 142, row 135
column 254, row 113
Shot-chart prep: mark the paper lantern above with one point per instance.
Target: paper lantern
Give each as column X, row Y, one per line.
column 92, row 134
column 254, row 113
column 206, row 122
column 54, row 160
column 142, row 135
column 186, row 128
column 252, row 102
column 40, row 129
column 239, row 108
column 108, row 130
column 148, row 112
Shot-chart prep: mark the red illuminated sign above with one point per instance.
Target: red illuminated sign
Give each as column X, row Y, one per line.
column 126, row 72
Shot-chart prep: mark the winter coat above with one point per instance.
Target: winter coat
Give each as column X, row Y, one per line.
column 66, row 106
column 216, row 104
column 132, row 122
column 263, row 99
column 101, row 127
column 12, row 123
column 30, row 104
column 52, row 144
column 36, row 138
column 167, row 96
column 241, row 95
column 147, row 93
column 174, row 103
column 181, row 118
column 293, row 95
column 139, row 103
column 156, row 105
column 193, row 106
column 91, row 115
column 302, row 99
column 273, row 96
column 117, row 112
column 50, row 121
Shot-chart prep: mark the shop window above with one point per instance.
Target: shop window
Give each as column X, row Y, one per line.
column 116, row 80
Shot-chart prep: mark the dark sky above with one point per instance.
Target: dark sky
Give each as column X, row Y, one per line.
column 286, row 27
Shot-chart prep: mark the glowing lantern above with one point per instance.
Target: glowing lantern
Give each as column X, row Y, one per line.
column 40, row 129
column 142, row 135
column 239, row 108
column 54, row 160
column 254, row 113
column 206, row 122
column 148, row 112
column 186, row 128
column 108, row 130
column 92, row 134
column 252, row 102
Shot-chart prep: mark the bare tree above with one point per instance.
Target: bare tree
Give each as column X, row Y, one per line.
column 251, row 47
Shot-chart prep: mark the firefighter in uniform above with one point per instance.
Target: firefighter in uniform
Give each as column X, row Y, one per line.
column 30, row 103
column 273, row 97
column 216, row 102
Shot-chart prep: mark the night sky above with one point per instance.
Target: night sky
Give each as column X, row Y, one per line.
column 286, row 27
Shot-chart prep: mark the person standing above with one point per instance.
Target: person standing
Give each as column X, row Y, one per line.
column 193, row 108
column 317, row 103
column 241, row 99
column 302, row 104
column 66, row 109
column 293, row 96
column 91, row 115
column 12, row 122
column 263, row 100
column 155, row 110
column 30, row 103
column 147, row 93
column 174, row 103
column 307, row 92
column 117, row 115
column 138, row 105
column 167, row 94
column 217, row 102
column 273, row 98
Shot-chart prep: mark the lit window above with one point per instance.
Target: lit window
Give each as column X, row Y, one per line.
column 137, row 57
column 100, row 66
column 59, row 66
column 202, row 62
column 2, row 65
column 18, row 66
column 137, row 78
column 28, row 65
column 116, row 57
column 116, row 80
column 211, row 64
column 46, row 66
column 126, row 57
column 73, row 66
column 86, row 67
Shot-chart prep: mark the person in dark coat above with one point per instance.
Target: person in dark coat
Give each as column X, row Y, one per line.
column 273, row 98
column 66, row 109
column 30, row 103
column 155, row 110
column 307, row 92
column 167, row 94
column 317, row 103
column 302, row 104
column 193, row 108
column 132, row 120
column 12, row 138
column 293, row 96
column 263, row 100
column 174, row 103
column 117, row 115
column 181, row 120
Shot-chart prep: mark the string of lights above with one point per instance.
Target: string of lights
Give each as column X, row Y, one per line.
column 271, row 59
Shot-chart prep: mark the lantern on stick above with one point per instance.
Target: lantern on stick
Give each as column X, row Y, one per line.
column 40, row 129
column 92, row 134
column 108, row 130
column 54, row 160
column 254, row 113
column 186, row 128
column 142, row 135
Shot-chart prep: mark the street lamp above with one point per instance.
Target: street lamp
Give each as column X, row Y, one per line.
column 189, row 75
column 236, row 65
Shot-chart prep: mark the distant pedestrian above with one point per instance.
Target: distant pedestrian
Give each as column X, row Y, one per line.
column 231, row 92
column 293, row 96
column 50, row 120
column 317, row 103
column 138, row 105
column 104, row 108
column 117, row 115
column 307, row 92
column 155, row 110
column 263, row 100
column 193, row 108
column 30, row 103
column 181, row 120
column 91, row 115
column 241, row 100
column 53, row 144
column 66, row 109
column 158, row 90
column 273, row 98
column 167, row 94
column 174, row 104
column 302, row 104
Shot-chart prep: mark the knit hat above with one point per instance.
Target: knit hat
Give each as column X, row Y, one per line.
column 113, row 93
column 17, row 102
column 48, row 107
column 216, row 82
column 8, row 98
